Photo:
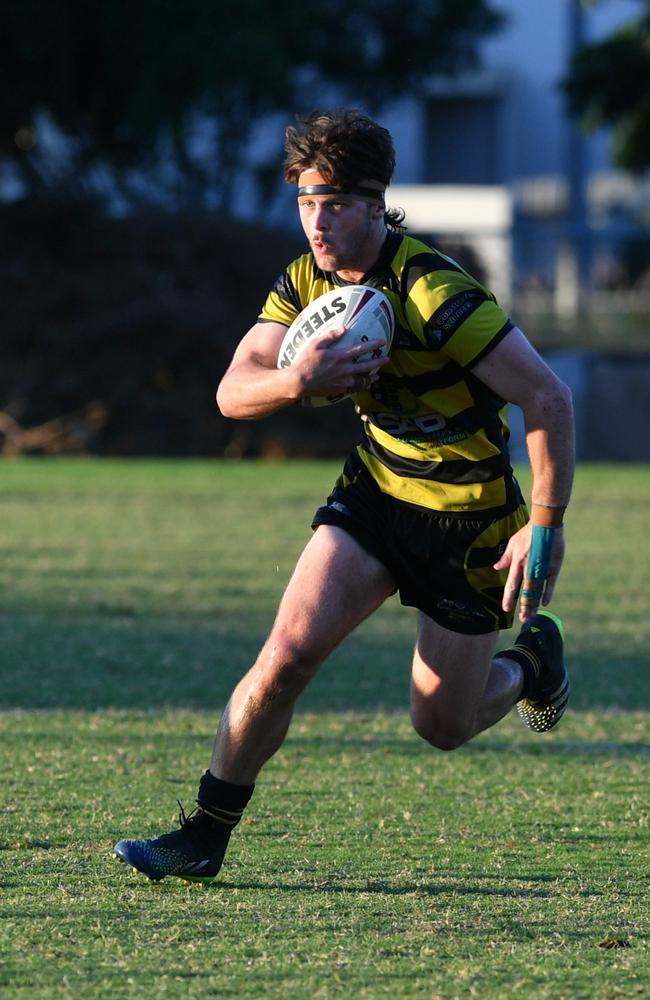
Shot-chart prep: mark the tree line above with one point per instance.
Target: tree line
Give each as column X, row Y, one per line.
column 97, row 96
column 177, row 88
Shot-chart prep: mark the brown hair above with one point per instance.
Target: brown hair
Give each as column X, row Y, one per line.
column 346, row 148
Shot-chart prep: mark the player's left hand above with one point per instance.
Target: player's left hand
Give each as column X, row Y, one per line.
column 515, row 559
column 325, row 369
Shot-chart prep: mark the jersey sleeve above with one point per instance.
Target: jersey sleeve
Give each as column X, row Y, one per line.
column 460, row 318
column 277, row 310
column 283, row 301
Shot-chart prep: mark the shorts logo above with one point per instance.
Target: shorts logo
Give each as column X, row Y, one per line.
column 458, row 611
column 340, row 507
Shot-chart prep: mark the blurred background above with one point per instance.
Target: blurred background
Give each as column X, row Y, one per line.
column 143, row 215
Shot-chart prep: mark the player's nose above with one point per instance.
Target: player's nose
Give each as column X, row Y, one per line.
column 319, row 219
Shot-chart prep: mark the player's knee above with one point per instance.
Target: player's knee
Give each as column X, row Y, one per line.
column 441, row 734
column 285, row 668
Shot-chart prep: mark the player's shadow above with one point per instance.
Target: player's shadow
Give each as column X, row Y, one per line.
column 553, row 745
column 386, row 889
column 121, row 661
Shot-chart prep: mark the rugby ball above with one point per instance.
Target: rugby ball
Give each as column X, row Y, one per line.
column 365, row 313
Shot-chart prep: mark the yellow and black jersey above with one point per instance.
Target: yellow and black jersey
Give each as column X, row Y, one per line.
column 434, row 434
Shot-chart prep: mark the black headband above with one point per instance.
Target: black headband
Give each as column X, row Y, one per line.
column 363, row 192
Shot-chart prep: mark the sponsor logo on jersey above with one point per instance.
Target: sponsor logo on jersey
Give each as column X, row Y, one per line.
column 416, row 430
column 451, row 315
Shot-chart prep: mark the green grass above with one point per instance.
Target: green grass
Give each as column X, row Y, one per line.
column 368, row 865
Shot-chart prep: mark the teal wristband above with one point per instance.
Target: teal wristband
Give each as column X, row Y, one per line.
column 539, row 557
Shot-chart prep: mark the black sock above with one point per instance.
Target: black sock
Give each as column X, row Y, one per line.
column 526, row 655
column 222, row 801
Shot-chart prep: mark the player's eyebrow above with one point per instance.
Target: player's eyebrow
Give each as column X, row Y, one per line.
column 325, row 199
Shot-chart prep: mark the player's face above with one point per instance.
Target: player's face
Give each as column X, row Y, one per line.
column 341, row 230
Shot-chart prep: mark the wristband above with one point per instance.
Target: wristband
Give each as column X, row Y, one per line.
column 539, row 557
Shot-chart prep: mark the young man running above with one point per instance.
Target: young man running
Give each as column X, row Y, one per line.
column 426, row 505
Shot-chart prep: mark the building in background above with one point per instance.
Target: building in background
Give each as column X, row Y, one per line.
column 491, row 168
column 491, row 162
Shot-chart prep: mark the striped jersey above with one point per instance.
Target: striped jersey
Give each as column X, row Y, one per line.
column 433, row 434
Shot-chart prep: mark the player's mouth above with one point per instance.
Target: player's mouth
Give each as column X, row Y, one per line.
column 323, row 251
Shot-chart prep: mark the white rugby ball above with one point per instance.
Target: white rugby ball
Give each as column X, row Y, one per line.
column 365, row 313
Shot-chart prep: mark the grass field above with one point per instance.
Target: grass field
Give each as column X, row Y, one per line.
column 368, row 865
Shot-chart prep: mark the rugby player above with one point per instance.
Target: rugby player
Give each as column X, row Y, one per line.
column 426, row 506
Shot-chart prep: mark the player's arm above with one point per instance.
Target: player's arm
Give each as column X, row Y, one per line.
column 516, row 372
column 254, row 386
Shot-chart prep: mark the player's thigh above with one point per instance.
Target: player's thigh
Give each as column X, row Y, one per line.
column 336, row 584
column 449, row 675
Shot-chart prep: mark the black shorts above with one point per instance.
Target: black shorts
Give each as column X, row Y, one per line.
column 442, row 564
